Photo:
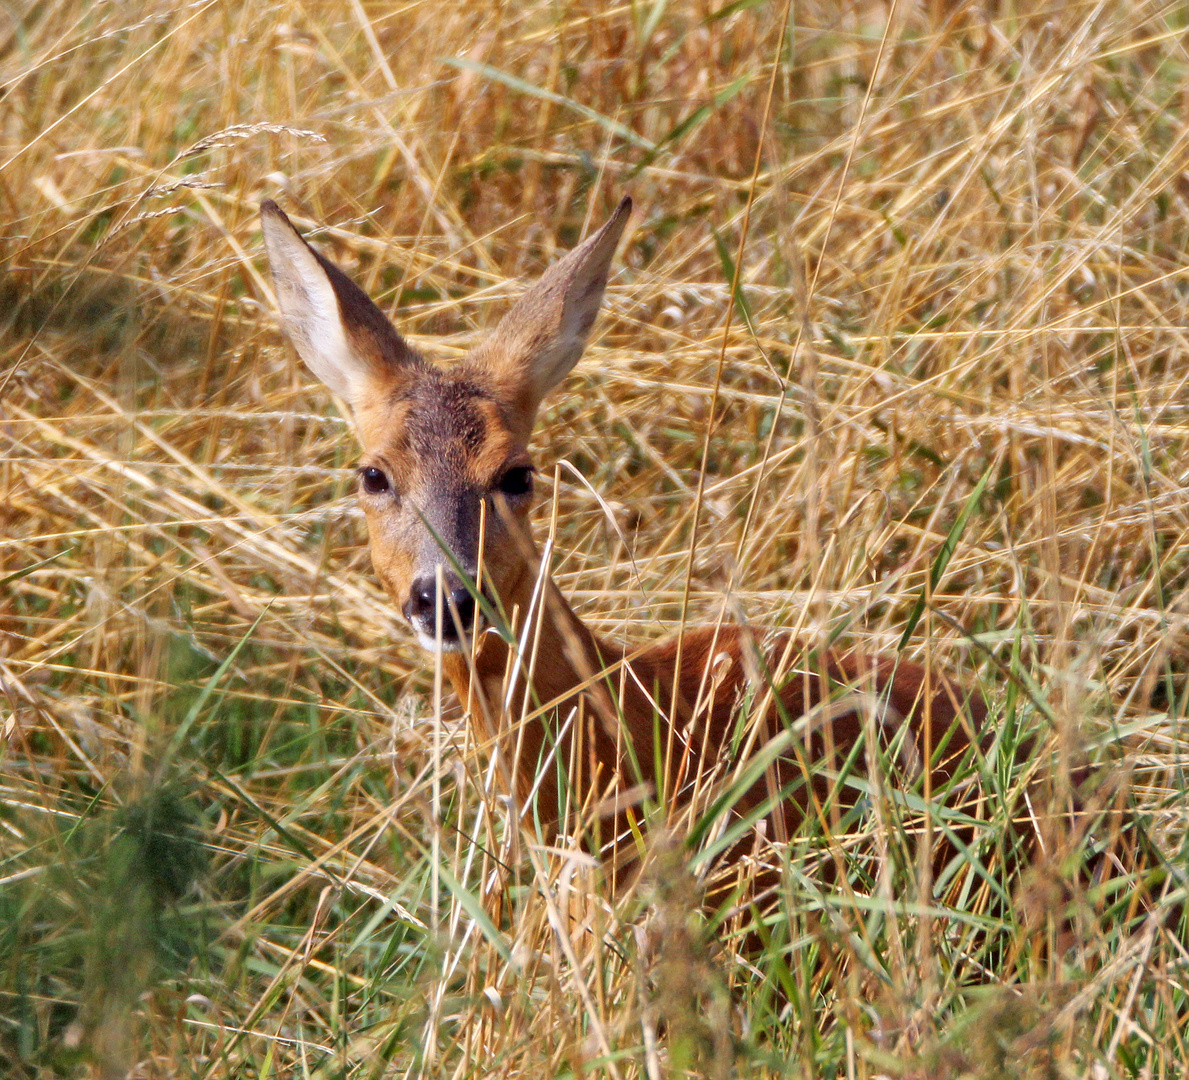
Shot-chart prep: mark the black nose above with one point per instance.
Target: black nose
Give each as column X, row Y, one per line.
column 421, row 607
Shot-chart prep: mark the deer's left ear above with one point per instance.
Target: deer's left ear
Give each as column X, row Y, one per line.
column 341, row 335
column 534, row 346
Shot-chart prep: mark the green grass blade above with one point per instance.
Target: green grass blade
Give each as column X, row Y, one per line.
column 523, row 87
column 945, row 553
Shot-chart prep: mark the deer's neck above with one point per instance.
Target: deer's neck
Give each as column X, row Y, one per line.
column 527, row 698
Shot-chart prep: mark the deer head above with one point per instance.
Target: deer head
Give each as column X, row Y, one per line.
column 438, row 443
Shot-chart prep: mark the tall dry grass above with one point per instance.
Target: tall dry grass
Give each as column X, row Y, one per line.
column 949, row 392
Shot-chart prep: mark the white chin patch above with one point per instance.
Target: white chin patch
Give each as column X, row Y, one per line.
column 430, row 644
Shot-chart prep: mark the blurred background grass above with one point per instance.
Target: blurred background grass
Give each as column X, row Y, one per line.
column 964, row 260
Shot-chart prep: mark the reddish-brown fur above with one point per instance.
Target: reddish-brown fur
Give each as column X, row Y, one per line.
column 444, row 456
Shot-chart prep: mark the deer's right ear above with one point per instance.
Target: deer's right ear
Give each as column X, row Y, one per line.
column 341, row 335
column 535, row 345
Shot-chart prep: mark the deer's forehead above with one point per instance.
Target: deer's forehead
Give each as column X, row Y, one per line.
column 441, row 425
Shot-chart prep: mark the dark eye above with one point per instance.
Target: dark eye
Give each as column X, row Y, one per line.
column 373, row 480
column 517, row 481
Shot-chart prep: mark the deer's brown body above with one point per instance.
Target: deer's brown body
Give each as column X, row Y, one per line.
column 590, row 728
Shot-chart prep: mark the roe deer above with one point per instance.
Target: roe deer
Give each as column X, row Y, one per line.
column 446, row 483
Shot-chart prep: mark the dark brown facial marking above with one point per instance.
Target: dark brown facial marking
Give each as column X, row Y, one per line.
column 443, row 417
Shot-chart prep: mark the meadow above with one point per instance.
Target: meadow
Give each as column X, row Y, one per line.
column 895, row 352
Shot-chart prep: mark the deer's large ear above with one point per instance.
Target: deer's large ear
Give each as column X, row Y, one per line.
column 341, row 335
column 534, row 346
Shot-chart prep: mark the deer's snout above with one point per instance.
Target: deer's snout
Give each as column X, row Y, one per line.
column 458, row 609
